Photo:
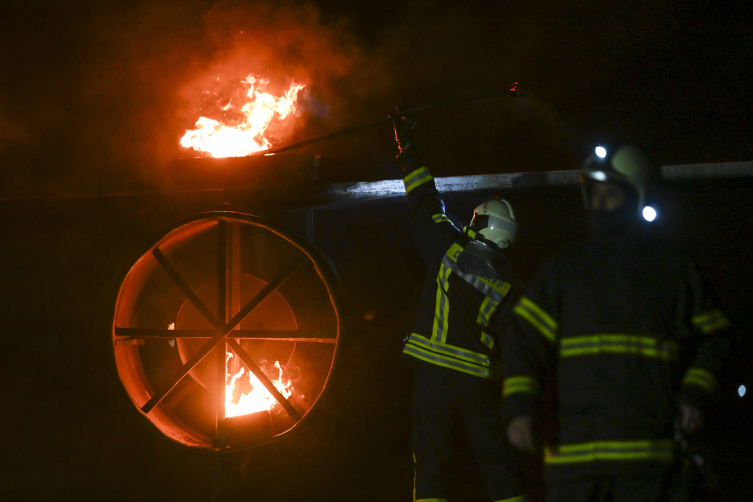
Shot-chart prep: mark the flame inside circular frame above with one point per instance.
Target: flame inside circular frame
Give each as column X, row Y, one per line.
column 259, row 110
column 255, row 397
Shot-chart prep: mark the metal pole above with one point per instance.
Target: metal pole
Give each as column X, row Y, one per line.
column 222, row 304
column 222, row 307
column 513, row 91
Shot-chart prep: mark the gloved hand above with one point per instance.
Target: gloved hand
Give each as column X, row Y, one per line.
column 691, row 418
column 520, row 434
column 403, row 128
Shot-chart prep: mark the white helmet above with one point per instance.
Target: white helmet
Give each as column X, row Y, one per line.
column 495, row 221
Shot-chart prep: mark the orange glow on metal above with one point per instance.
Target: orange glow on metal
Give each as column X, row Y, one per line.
column 259, row 110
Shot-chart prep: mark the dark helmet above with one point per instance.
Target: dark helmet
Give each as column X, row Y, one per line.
column 627, row 165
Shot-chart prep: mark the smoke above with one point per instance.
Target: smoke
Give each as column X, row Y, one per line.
column 281, row 44
column 100, row 100
column 95, row 96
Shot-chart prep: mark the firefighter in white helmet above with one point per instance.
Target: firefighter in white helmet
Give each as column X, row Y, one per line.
column 600, row 330
column 495, row 221
column 454, row 346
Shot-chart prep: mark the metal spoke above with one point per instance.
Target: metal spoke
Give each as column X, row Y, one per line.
column 223, row 332
column 178, row 280
column 184, row 389
column 266, row 291
column 222, row 313
column 264, row 380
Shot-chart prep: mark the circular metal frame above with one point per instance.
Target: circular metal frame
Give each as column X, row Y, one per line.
column 274, row 293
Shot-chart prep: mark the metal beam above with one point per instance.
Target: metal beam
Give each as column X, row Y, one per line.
column 373, row 190
column 246, row 334
column 698, row 171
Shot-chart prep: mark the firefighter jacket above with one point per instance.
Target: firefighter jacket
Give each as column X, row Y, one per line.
column 606, row 326
column 455, row 324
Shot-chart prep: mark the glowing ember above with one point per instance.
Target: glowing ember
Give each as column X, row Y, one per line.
column 259, row 110
column 245, row 393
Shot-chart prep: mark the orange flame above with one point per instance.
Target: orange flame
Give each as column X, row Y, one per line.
column 258, row 398
column 221, row 140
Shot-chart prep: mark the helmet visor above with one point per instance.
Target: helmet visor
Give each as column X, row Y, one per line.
column 479, row 221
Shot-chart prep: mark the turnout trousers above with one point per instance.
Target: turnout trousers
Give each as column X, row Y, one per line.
column 445, row 401
column 614, row 488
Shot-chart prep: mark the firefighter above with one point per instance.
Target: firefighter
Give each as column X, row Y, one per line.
column 457, row 371
column 603, row 330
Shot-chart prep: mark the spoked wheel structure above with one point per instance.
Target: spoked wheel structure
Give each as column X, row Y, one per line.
column 226, row 330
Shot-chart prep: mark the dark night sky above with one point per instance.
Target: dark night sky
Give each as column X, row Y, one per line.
column 94, row 95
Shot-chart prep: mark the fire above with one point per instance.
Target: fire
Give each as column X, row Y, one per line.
column 246, row 394
column 258, row 111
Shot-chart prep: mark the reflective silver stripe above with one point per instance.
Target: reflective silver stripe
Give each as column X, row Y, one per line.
column 473, row 280
column 700, row 377
column 660, row 450
column 468, row 355
column 439, row 218
column 441, row 311
column 488, row 306
column 417, row 178
column 633, row 345
column 487, row 340
column 709, row 322
column 447, row 362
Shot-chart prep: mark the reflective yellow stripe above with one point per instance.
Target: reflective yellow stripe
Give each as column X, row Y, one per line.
column 439, row 218
column 470, row 232
column 537, row 318
column 513, row 385
column 483, row 314
column 442, row 301
column 487, row 339
column 443, row 360
column 450, row 350
column 610, row 450
column 617, row 344
column 528, row 303
column 701, row 378
column 522, row 498
column 708, row 322
column 442, row 306
column 416, row 179
column 500, row 287
column 432, row 500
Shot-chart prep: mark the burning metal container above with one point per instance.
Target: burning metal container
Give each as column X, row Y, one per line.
column 226, row 316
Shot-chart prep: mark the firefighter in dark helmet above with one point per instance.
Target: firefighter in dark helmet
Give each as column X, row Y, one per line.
column 600, row 328
column 458, row 368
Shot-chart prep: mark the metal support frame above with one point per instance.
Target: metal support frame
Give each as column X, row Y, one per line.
column 222, row 331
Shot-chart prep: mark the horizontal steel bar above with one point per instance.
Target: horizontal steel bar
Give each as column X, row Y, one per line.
column 718, row 170
column 326, row 194
column 365, row 190
column 265, row 334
